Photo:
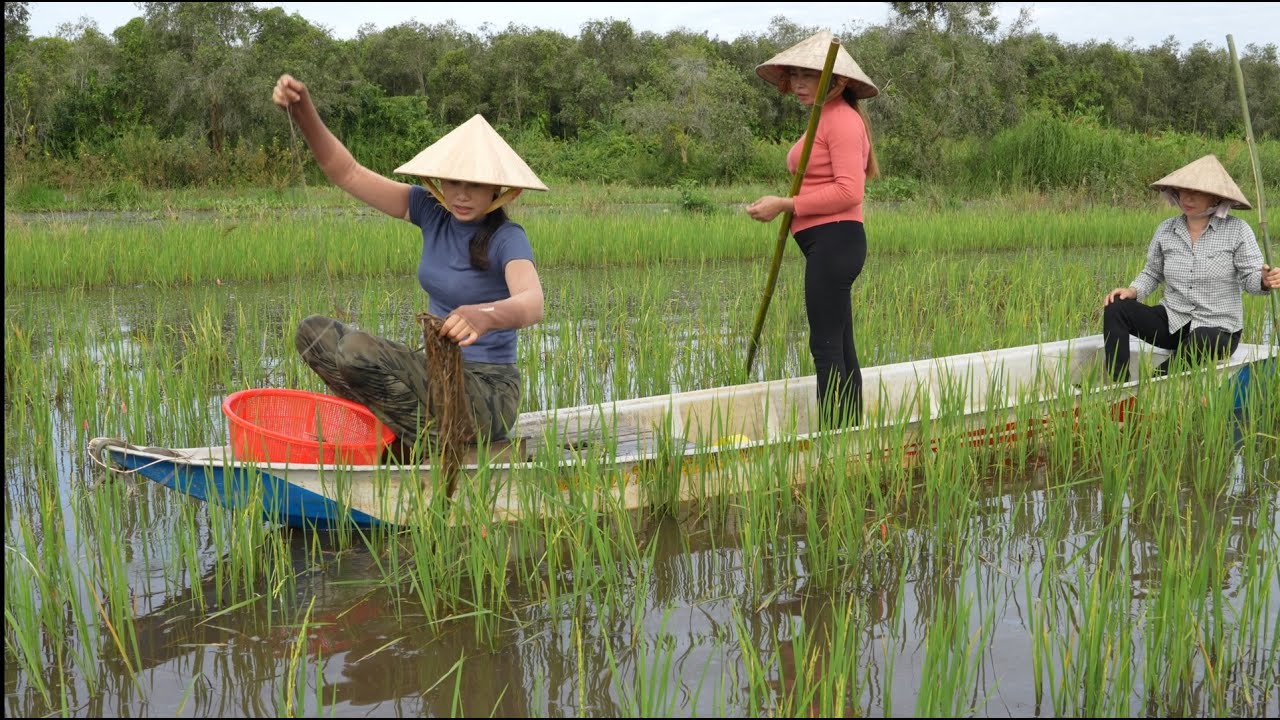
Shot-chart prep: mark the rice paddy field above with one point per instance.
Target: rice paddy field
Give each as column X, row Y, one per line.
column 1104, row 569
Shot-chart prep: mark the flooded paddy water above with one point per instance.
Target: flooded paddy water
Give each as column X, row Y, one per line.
column 1112, row 570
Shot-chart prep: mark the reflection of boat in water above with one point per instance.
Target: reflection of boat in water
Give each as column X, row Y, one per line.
column 993, row 396
column 337, row 625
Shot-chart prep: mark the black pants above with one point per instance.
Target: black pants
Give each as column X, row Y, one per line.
column 1149, row 323
column 834, row 255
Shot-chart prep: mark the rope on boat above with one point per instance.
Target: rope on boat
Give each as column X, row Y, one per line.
column 100, row 449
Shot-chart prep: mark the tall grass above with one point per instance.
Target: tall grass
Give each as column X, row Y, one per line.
column 1049, row 153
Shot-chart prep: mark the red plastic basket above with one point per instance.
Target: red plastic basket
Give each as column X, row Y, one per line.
column 294, row 426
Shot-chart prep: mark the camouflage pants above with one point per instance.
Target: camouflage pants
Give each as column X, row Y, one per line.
column 391, row 379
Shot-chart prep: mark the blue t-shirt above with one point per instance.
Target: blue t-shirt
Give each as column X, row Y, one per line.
column 446, row 274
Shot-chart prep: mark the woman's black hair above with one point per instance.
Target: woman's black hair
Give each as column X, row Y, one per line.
column 851, row 97
column 480, row 241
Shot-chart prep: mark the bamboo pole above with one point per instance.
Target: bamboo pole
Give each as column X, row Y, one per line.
column 824, row 83
column 1257, row 181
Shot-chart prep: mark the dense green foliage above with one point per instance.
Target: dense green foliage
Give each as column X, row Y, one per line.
column 180, row 96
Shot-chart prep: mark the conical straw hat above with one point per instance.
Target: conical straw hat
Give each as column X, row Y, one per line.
column 1208, row 176
column 811, row 54
column 473, row 152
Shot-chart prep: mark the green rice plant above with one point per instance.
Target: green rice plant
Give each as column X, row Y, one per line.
column 56, row 608
column 758, row 697
column 291, row 689
column 485, row 559
column 661, row 477
column 828, row 659
column 230, row 250
column 106, row 568
column 239, row 538
column 1037, row 625
column 1100, row 668
column 652, row 694
column 436, row 546
column 23, row 637
column 894, row 637
column 762, row 519
column 953, row 652
column 1254, row 633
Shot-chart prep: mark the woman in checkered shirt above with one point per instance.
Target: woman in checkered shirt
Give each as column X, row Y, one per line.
column 1205, row 257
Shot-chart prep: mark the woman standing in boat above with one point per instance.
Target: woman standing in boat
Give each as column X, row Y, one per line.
column 1205, row 257
column 476, row 266
column 827, row 217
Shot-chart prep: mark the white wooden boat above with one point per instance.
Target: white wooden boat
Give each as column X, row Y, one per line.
column 985, row 397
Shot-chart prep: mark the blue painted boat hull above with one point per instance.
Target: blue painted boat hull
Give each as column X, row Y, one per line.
column 234, row 487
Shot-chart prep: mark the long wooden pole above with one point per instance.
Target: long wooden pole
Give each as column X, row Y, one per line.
column 823, row 84
column 1257, row 181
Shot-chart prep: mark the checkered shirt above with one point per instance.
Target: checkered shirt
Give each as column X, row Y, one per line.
column 1203, row 280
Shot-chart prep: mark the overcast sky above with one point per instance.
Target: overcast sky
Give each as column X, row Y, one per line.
column 1145, row 23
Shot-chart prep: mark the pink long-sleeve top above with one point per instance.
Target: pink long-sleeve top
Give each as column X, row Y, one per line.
column 836, row 177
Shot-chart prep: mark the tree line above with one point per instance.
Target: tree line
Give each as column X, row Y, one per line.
column 182, row 92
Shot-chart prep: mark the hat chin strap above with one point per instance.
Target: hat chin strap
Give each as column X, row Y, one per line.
column 503, row 199
column 837, row 90
column 435, row 190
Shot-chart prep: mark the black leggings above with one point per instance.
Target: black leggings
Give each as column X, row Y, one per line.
column 834, row 255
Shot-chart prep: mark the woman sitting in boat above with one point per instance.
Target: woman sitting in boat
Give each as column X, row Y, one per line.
column 1205, row 257
column 476, row 266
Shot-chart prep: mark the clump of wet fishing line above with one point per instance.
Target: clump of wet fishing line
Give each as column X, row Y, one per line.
column 453, row 427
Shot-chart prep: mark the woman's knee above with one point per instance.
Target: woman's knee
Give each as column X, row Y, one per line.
column 317, row 334
column 1117, row 309
column 1118, row 316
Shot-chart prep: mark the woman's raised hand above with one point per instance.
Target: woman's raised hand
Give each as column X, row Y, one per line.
column 288, row 91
